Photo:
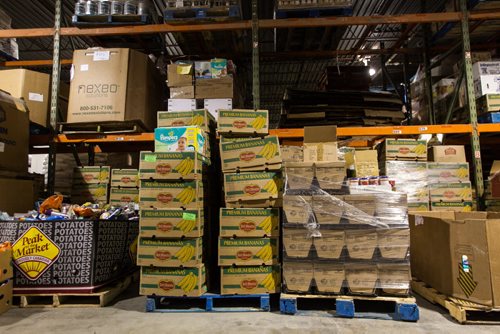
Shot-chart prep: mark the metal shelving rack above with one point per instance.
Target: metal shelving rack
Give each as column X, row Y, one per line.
column 463, row 17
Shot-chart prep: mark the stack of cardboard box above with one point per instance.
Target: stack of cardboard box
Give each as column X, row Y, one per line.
column 338, row 236
column 124, row 186
column 249, row 224
column 90, row 184
column 173, row 241
column 6, row 276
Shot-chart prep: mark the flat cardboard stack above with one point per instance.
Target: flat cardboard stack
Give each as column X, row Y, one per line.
column 90, row 184
column 6, row 276
column 124, row 186
column 340, row 239
column 249, row 224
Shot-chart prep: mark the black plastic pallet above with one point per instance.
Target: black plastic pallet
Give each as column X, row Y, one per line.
column 312, row 12
column 202, row 13
column 109, row 20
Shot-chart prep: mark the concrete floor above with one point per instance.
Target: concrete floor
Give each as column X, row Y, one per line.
column 127, row 316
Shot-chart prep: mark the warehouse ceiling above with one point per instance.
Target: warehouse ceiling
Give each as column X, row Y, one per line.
column 289, row 57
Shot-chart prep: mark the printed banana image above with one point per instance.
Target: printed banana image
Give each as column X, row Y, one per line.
column 271, row 187
column 197, row 120
column 265, row 253
column 462, row 173
column 422, row 193
column 103, row 175
column 267, row 225
column 420, row 149
column 185, row 253
column 269, row 151
column 269, row 282
column 185, row 167
column 465, row 193
column 467, row 208
column 186, row 226
column 258, row 123
column 100, row 192
column 188, row 283
column 186, row 196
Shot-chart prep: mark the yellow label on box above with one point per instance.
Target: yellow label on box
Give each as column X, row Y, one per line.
column 250, row 280
column 249, row 222
column 243, row 122
column 169, row 253
column 173, row 223
column 174, row 282
column 248, row 251
column 171, row 195
column 255, row 154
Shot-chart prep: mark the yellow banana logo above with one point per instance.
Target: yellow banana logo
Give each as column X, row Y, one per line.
column 186, row 196
column 269, row 151
column 271, row 187
column 265, row 253
column 267, row 225
column 186, row 226
column 188, row 283
column 185, row 166
column 185, row 254
column 259, row 122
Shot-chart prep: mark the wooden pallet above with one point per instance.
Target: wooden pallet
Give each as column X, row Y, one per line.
column 97, row 299
column 463, row 311
column 400, row 308
column 134, row 126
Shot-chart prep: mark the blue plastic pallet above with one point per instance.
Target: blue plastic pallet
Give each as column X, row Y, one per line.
column 405, row 308
column 313, row 12
column 231, row 12
column 209, row 303
column 491, row 117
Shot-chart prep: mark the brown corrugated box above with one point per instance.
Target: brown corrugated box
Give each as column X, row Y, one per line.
column 180, row 75
column 220, row 88
column 320, row 143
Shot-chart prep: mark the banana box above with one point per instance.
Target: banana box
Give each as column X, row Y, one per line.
column 244, row 187
column 175, row 223
column 199, row 117
column 452, row 206
column 243, row 122
column 95, row 193
column 174, row 282
column 171, row 195
column 248, row 251
column 260, row 203
column 91, row 174
column 171, row 166
column 404, row 148
column 253, row 154
column 123, row 196
column 419, row 206
column 451, row 192
column 448, row 172
column 169, row 253
column 124, row 178
column 249, row 222
column 250, row 280
column 181, row 139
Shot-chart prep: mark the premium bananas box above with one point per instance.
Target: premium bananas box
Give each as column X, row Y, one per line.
column 125, row 178
column 171, row 166
column 243, row 122
column 243, row 187
column 174, row 223
column 419, row 206
column 250, row 280
column 175, row 282
column 123, row 196
column 395, row 149
column 451, row 192
column 260, row 203
column 181, row 139
column 253, row 154
column 171, row 195
column 91, row 174
column 199, row 117
column 169, row 253
column 248, row 251
column 95, row 193
column 249, row 222
column 448, row 172
column 452, row 206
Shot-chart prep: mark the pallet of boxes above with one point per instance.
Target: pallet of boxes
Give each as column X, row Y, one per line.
column 174, row 201
column 342, row 240
column 250, row 221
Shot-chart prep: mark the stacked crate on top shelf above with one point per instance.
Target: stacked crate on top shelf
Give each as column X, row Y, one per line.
column 249, row 224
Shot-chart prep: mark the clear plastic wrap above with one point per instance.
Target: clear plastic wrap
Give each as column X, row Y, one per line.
column 340, row 237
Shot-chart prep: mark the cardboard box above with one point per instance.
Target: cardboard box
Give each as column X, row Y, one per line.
column 171, row 166
column 448, row 172
column 214, row 105
column 219, row 88
column 419, row 206
column 6, row 270
column 249, row 222
column 452, row 206
column 123, row 196
column 297, row 208
column 243, row 122
column 198, row 117
column 297, row 276
column 244, row 187
column 365, row 163
column 174, row 223
column 180, row 75
column 125, row 178
column 394, row 243
column 361, row 278
column 448, row 153
column 173, row 282
column 91, row 175
column 33, row 87
column 394, row 278
column 451, row 192
column 22, row 202
column 248, row 251
column 259, row 203
column 292, row 153
column 464, row 249
column 329, row 277
column 180, row 139
column 250, row 280
column 175, row 105
column 94, row 193
column 361, row 244
column 487, row 84
column 330, row 244
column 171, row 195
column 185, row 92
column 14, row 134
column 401, row 149
column 6, row 296
column 488, row 103
column 114, row 85
column 330, row 175
column 359, row 209
column 299, row 175
column 328, row 209
column 296, row 242
column 169, row 253
column 320, row 143
column 253, row 154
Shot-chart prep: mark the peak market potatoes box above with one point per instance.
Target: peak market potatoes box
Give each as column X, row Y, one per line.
column 114, row 85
